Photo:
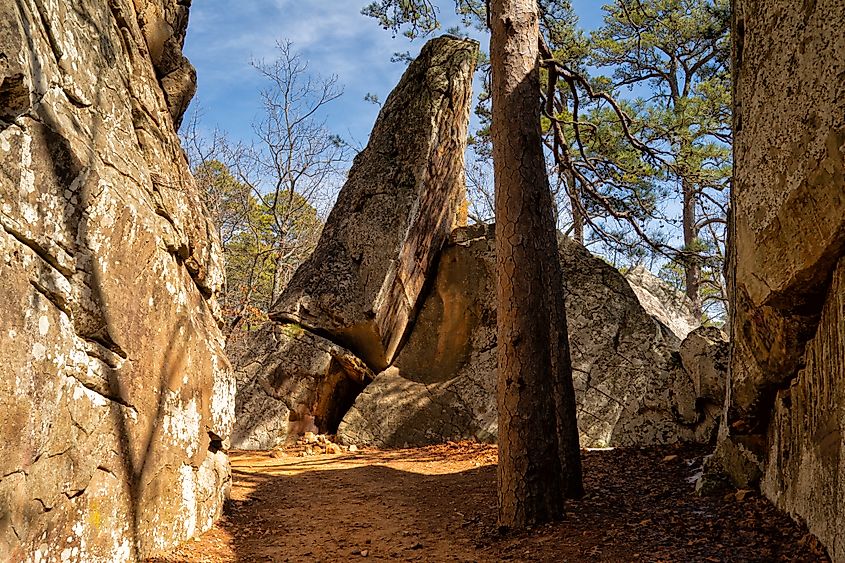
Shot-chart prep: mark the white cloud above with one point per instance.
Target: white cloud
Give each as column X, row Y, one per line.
column 332, row 35
column 225, row 35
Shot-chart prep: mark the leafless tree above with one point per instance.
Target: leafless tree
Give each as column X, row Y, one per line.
column 268, row 197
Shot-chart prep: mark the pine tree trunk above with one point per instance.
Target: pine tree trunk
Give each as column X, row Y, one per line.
column 692, row 265
column 539, row 458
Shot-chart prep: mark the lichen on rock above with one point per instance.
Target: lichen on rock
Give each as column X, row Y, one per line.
column 117, row 395
column 631, row 388
column 786, row 394
column 357, row 294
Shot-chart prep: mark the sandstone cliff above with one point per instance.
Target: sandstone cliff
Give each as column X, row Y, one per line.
column 116, row 396
column 786, row 397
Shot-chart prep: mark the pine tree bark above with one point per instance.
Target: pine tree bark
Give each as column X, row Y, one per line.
column 539, row 458
column 692, row 263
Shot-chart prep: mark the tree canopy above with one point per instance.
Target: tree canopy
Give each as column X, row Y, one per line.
column 636, row 115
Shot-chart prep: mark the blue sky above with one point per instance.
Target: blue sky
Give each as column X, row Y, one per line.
column 225, row 35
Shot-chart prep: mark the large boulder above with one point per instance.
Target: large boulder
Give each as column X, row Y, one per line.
column 404, row 195
column 630, row 386
column 116, row 399
column 786, row 397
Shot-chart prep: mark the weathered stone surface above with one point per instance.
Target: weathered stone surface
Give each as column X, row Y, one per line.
column 705, row 355
column 404, row 194
column 786, row 396
column 630, row 386
column 163, row 25
column 292, row 382
column 670, row 307
column 116, row 396
column 443, row 383
column 787, row 205
column 805, row 458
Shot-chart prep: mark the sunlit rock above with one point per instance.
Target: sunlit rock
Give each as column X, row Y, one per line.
column 631, row 388
column 116, row 396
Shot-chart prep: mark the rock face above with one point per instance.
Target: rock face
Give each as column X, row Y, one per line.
column 804, row 462
column 292, row 382
column 705, row 356
column 630, row 386
column 670, row 307
column 443, row 383
column 786, row 399
column 404, row 194
column 116, row 396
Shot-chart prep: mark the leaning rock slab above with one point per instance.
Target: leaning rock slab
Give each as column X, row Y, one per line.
column 630, row 387
column 292, row 382
column 117, row 397
column 404, row 194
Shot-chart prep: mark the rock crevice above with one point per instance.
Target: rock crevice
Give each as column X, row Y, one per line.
column 786, row 395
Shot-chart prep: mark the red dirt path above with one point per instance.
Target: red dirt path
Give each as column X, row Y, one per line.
column 438, row 504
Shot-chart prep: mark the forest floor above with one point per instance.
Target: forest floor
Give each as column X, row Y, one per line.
column 439, row 504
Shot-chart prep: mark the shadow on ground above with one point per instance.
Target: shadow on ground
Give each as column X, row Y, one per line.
column 438, row 504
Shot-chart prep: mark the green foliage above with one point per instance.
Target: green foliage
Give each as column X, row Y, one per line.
column 416, row 18
column 371, row 98
column 647, row 151
column 227, row 199
column 420, row 16
column 259, row 238
column 637, row 124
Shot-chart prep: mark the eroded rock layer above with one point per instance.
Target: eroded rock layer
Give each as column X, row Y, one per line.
column 290, row 382
column 786, row 397
column 631, row 388
column 116, row 396
column 404, row 194
column 805, row 458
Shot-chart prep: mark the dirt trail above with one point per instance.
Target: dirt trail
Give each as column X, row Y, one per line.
column 438, row 504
